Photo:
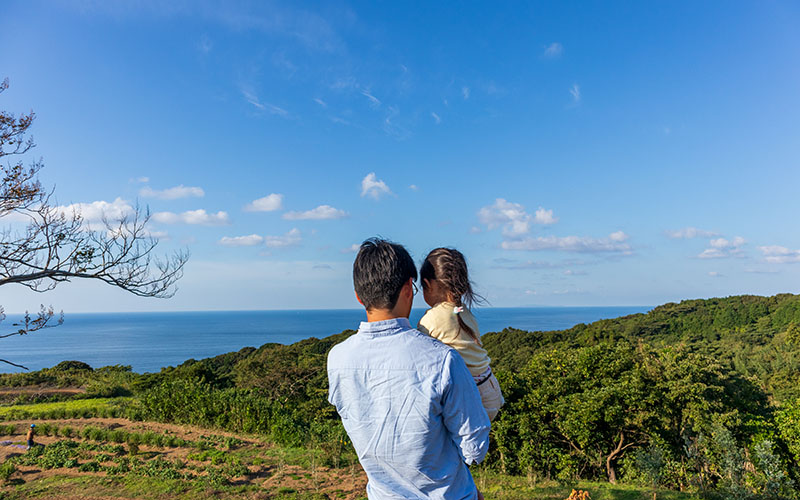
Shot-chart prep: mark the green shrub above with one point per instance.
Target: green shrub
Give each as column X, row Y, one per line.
column 92, row 466
column 6, row 469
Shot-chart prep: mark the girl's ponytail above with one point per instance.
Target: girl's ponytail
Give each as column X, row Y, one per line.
column 449, row 267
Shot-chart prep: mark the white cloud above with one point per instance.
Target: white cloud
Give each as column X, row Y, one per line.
column 513, row 217
column 413, row 187
column 689, row 233
column 553, row 51
column 159, row 235
column 436, row 118
column 373, row 187
column 780, row 255
column 715, row 274
column 290, row 239
column 195, row 217
column 354, row 248
column 173, row 193
column 268, row 203
column 141, row 180
column 575, row 92
column 322, row 212
column 373, row 101
column 465, row 92
column 241, row 241
column 97, row 210
column 543, row 216
column 320, row 102
column 723, row 243
column 570, row 272
column 614, row 243
column 712, row 253
column 722, row 248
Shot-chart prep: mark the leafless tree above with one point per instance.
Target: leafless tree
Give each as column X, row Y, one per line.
column 43, row 244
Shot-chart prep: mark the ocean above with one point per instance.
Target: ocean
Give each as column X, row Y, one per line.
column 149, row 341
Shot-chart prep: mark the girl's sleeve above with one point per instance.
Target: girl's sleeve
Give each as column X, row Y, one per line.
column 429, row 324
column 426, row 323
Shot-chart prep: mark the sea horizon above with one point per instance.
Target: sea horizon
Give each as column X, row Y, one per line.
column 149, row 341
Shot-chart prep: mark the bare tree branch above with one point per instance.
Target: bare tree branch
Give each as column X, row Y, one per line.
column 44, row 245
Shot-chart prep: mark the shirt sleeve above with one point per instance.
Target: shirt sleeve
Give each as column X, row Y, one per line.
column 431, row 324
column 426, row 323
column 464, row 417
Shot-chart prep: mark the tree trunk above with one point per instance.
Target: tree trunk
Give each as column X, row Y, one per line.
column 612, row 473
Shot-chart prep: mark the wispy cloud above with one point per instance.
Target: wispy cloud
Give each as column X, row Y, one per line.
column 502, row 263
column 268, row 203
column 241, row 241
column 173, row 193
column 553, row 51
column 194, row 217
column 689, row 233
column 780, row 255
column 373, row 101
column 290, row 239
column 613, row 243
column 721, row 248
column 761, row 271
column 264, row 106
column 373, row 187
column 413, row 187
column 392, row 127
column 320, row 102
column 716, row 274
column 352, row 248
column 572, row 272
column 205, row 45
column 436, row 118
column 322, row 212
column 575, row 92
column 465, row 92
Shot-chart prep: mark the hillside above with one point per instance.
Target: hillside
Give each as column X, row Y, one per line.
column 697, row 396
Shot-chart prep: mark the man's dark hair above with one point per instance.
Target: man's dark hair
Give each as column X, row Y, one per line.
column 380, row 271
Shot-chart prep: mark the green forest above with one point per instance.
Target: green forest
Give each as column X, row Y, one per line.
column 700, row 396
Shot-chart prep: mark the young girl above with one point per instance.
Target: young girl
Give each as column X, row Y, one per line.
column 447, row 289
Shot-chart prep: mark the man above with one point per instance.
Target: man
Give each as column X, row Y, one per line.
column 407, row 401
column 31, row 435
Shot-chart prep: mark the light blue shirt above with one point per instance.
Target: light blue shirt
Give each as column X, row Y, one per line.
column 411, row 409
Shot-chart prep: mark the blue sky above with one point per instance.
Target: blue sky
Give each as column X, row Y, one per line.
column 578, row 153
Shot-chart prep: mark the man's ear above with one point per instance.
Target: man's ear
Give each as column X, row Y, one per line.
column 358, row 298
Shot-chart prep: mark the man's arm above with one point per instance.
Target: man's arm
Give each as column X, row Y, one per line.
column 462, row 410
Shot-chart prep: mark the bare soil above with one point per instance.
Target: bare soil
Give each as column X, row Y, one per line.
column 269, row 476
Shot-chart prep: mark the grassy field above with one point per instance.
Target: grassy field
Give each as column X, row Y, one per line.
column 100, row 458
column 64, row 409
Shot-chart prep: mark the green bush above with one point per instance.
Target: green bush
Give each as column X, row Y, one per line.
column 6, row 469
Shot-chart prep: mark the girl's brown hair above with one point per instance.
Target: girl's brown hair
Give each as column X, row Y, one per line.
column 449, row 267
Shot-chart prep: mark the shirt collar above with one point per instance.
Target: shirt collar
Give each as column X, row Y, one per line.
column 383, row 328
